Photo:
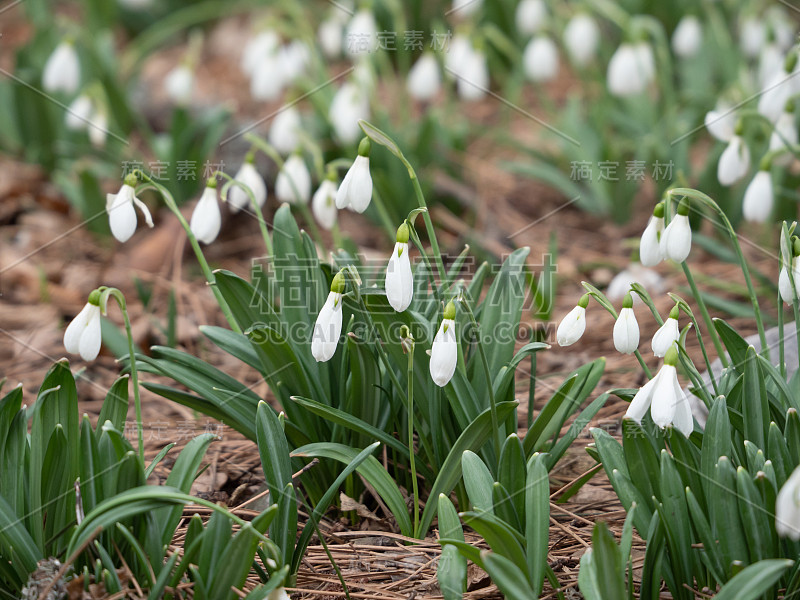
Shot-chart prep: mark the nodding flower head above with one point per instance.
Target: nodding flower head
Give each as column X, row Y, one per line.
column 83, row 335
column 444, row 352
column 120, row 209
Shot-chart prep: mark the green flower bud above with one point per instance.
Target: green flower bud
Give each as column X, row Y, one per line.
column 131, row 179
column 364, row 147
column 671, row 357
column 683, row 207
column 338, row 283
column 403, row 233
column 450, row 311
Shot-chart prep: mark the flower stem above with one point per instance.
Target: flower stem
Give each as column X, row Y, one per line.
column 412, row 465
column 703, row 198
column 489, row 386
column 209, row 275
column 120, row 298
column 706, row 317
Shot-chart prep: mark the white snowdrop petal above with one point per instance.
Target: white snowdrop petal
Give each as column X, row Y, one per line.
column 667, row 334
column 444, row 353
column 91, row 338
column 649, row 246
column 72, row 335
column 787, row 508
column 327, row 329
column 206, row 218
column 572, row 327
column 540, row 59
column 581, row 38
column 758, row 198
column 664, row 402
column 323, row 204
column 626, row 332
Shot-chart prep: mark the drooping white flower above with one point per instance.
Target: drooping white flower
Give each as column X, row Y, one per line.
column 540, row 59
column 350, row 104
column 581, row 37
column 268, row 79
column 278, row 594
column 355, row 192
column 456, row 56
column 79, row 113
column 572, row 327
column 294, row 58
column 328, row 327
column 721, row 122
column 787, row 508
column 362, row 33
column 247, row 176
column 776, row 94
column 330, row 35
column 399, row 278
column 783, row 137
column 752, row 35
column 121, row 214
column 179, row 84
column 785, row 283
column 263, row 45
column 770, row 63
column 206, row 217
column 676, row 241
column 473, row 76
column 734, row 162
column 293, row 184
column 626, row 328
column 667, row 334
column 424, row 78
column 631, row 69
column 531, row 16
column 687, row 39
column 664, row 397
column 759, row 198
column 323, row 204
column 82, row 335
column 98, row 127
column 284, row 133
column 649, row 246
column 62, row 71
column 634, row 273
column 444, row 351
column 783, row 28
column 463, row 9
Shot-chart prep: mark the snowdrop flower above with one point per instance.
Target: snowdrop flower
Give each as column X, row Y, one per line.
column 356, row 189
column 399, row 279
column 323, row 203
column 784, row 136
column 531, row 16
column 676, row 241
column 473, row 76
column 328, row 327
column 284, row 133
column 293, row 184
column 776, row 93
column 787, row 508
column 759, row 197
column 206, row 218
column 581, row 37
column 457, row 54
column 770, row 63
column 667, row 334
column 349, row 106
column 785, row 288
column 540, row 59
column 179, row 84
column 278, row 594
column 465, row 8
column 294, row 58
column 62, row 71
column 649, row 246
column 631, row 69
column 79, row 113
column 424, row 78
column 734, row 162
column 98, row 128
column 721, row 122
column 626, row 328
column 249, row 177
column 362, row 33
column 782, row 26
column 634, row 273
column 268, row 79
column 444, row 352
column 752, row 35
column 687, row 38
column 263, row 45
column 121, row 214
column 82, row 335
column 572, row 327
column 330, row 36
column 664, row 397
